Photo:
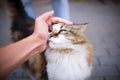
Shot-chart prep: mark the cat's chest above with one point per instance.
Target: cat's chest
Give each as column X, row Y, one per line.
column 71, row 66
column 76, row 57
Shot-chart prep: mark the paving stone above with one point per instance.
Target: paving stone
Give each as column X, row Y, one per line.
column 114, row 51
column 112, row 45
column 96, row 62
column 111, row 36
column 105, row 71
column 113, row 78
column 18, row 74
column 97, row 43
column 18, row 78
column 96, row 78
column 107, row 43
column 101, row 52
column 110, row 60
column 119, row 69
column 25, row 75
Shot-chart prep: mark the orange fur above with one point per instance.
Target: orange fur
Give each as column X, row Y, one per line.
column 90, row 55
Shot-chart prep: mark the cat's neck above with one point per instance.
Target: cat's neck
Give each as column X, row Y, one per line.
column 61, row 50
column 69, row 49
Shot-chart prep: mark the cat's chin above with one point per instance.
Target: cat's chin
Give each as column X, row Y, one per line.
column 52, row 44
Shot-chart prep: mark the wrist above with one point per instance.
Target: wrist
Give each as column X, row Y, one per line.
column 40, row 42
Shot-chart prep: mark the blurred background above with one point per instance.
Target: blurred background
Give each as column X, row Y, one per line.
column 103, row 32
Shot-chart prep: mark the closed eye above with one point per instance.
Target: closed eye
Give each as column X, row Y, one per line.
column 61, row 30
column 55, row 34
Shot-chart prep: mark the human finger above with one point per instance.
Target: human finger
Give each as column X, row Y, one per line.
column 47, row 15
column 57, row 19
column 49, row 22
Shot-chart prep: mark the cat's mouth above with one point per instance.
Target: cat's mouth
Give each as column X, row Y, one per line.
column 50, row 41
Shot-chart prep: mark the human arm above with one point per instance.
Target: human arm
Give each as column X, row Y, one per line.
column 16, row 53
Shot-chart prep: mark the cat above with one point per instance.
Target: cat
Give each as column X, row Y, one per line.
column 68, row 55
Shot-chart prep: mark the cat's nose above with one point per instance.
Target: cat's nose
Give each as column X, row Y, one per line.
column 52, row 34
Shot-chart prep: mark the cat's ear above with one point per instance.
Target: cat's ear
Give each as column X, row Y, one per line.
column 81, row 27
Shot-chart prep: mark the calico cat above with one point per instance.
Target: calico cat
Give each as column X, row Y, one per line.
column 68, row 55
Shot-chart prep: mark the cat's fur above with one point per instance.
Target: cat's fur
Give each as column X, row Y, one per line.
column 68, row 55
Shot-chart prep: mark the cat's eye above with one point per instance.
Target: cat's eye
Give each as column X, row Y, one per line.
column 62, row 30
column 55, row 34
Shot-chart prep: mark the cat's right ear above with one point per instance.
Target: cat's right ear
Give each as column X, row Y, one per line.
column 81, row 27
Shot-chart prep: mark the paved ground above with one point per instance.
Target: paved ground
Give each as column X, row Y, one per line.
column 103, row 32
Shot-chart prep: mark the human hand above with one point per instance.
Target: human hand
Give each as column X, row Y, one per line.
column 42, row 24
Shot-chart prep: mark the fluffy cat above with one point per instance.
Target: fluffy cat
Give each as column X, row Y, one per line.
column 69, row 54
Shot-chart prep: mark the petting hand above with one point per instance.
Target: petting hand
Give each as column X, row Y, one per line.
column 42, row 24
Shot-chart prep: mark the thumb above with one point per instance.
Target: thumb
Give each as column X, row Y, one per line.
column 47, row 15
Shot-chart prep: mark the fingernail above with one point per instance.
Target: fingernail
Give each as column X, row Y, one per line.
column 52, row 11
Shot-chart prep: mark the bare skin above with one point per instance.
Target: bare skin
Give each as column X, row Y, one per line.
column 13, row 55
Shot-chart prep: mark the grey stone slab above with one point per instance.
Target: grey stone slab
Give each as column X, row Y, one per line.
column 18, row 78
column 119, row 69
column 114, row 51
column 96, row 78
column 107, row 45
column 110, row 61
column 25, row 75
column 111, row 38
column 101, row 52
column 112, row 78
column 96, row 62
column 18, row 74
column 105, row 71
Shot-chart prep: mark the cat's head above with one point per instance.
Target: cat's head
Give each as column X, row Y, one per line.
column 62, row 35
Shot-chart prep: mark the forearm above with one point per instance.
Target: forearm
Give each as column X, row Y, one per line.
column 13, row 55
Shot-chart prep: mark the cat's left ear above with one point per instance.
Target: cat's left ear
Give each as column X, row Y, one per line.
column 81, row 27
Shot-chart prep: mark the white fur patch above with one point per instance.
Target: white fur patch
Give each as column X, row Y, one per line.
column 58, row 42
column 71, row 66
column 56, row 27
